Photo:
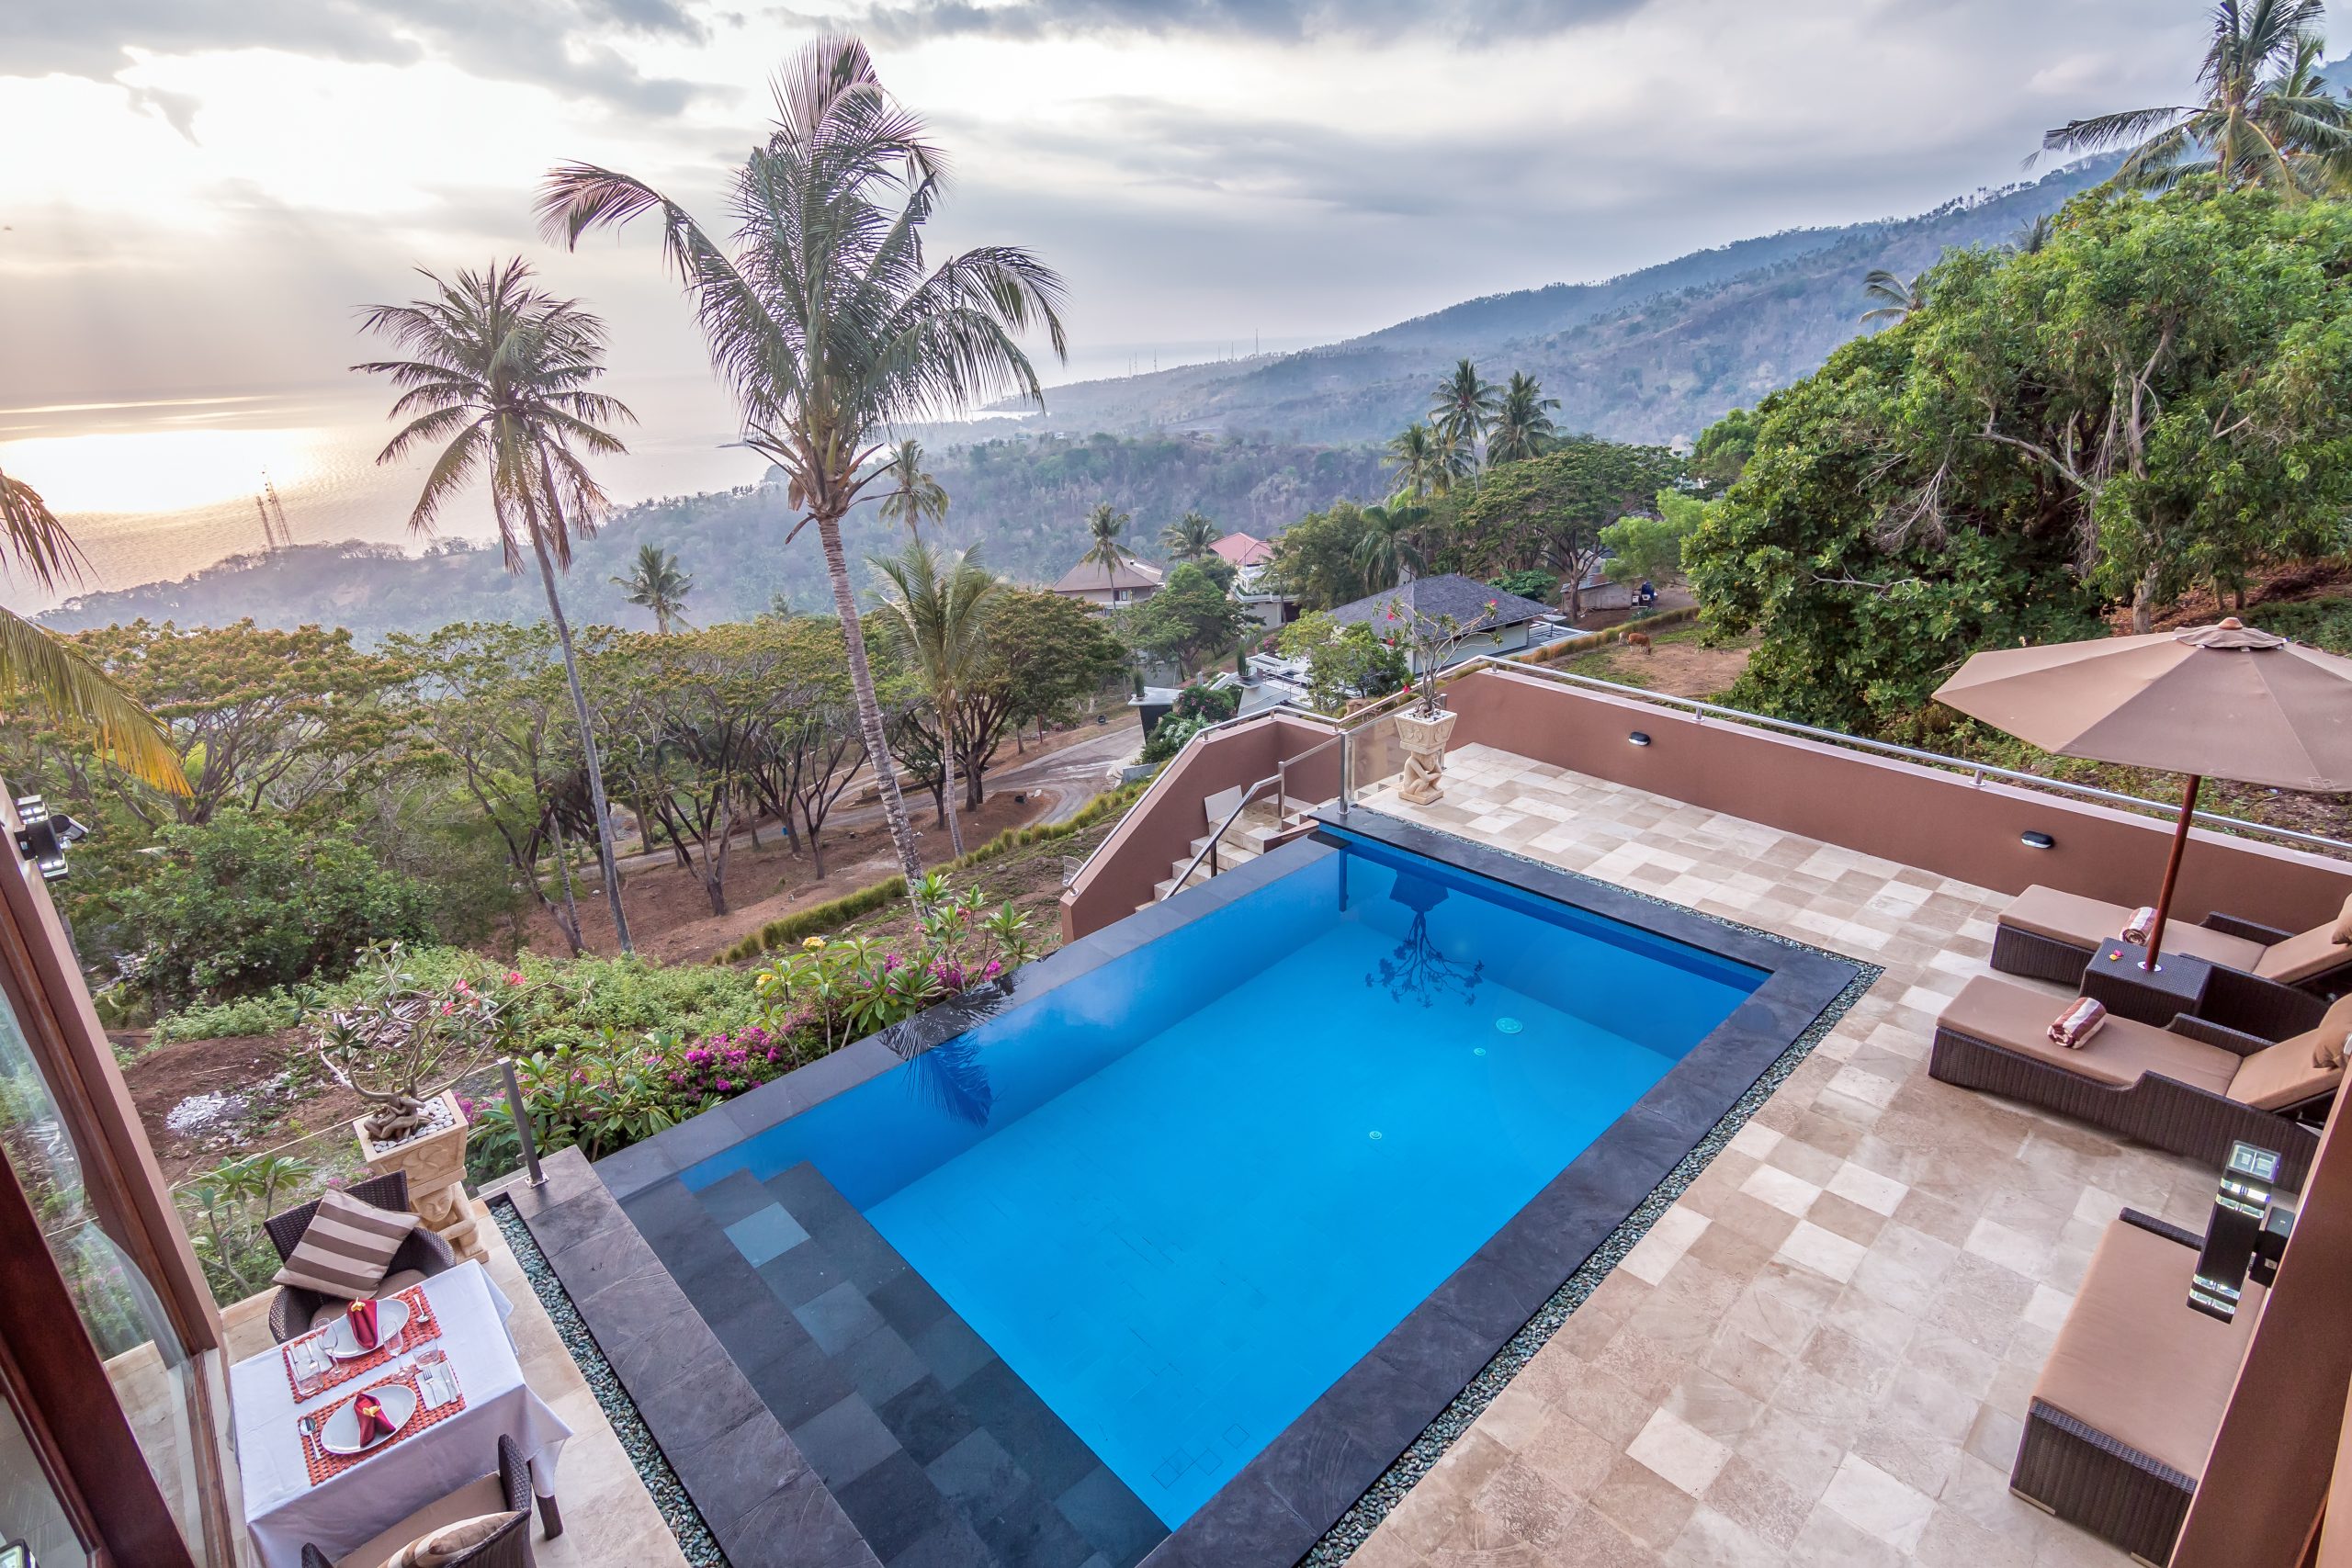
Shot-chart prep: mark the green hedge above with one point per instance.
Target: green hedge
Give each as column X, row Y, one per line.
column 822, row 919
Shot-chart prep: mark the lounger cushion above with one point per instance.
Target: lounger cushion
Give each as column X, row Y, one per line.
column 2303, row 956
column 2017, row 1019
column 2300, row 1066
column 2341, row 934
column 2085, row 922
column 2134, row 1363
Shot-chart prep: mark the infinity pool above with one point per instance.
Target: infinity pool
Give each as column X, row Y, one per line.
column 1182, row 1192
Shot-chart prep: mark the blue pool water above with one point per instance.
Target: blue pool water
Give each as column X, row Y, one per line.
column 1181, row 1193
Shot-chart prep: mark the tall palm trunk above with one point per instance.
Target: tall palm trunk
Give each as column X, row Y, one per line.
column 946, row 703
column 869, row 710
column 605, row 856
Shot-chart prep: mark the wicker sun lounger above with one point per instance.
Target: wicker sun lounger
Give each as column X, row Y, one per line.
column 2048, row 935
column 2124, row 1412
column 2194, row 1089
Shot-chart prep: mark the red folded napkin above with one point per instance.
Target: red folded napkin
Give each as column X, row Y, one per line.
column 363, row 1324
column 373, row 1422
column 2081, row 1019
column 2135, row 930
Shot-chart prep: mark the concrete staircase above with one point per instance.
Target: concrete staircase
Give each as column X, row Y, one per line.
column 1250, row 836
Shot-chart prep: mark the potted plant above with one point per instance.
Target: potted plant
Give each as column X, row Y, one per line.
column 1424, row 725
column 400, row 1036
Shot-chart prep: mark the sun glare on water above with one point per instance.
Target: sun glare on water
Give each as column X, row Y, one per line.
column 162, row 470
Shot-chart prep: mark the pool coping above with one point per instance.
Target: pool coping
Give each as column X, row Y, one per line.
column 1291, row 1494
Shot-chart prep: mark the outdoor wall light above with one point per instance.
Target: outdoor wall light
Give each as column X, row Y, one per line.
column 1639, row 738
column 44, row 838
column 2037, row 841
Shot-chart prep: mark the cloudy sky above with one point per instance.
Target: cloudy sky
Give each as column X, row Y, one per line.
column 199, row 192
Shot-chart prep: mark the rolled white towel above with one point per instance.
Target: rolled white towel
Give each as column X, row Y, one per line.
column 2135, row 930
column 2082, row 1019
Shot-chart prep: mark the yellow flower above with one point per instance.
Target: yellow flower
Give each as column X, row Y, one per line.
column 814, row 942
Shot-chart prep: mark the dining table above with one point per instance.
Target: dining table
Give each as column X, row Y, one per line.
column 436, row 1453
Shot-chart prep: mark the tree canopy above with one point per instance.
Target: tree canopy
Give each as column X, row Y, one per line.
column 2160, row 396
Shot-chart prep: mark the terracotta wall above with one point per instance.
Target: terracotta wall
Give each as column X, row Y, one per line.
column 1143, row 850
column 1924, row 817
column 1919, row 815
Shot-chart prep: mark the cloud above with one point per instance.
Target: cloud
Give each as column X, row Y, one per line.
column 1281, row 21
column 567, row 45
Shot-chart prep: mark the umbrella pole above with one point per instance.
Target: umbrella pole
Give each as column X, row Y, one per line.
column 2155, row 959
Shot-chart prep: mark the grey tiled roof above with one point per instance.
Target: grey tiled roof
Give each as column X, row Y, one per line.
column 1452, row 594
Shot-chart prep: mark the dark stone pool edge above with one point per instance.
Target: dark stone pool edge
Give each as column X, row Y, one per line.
column 678, row 1511
column 1356, row 1527
column 759, row 1496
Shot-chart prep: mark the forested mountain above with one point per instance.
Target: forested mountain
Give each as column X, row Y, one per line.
column 1024, row 499
column 1657, row 355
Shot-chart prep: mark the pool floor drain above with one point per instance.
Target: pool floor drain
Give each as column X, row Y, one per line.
column 1477, row 1050
column 1508, row 1026
column 1375, row 1134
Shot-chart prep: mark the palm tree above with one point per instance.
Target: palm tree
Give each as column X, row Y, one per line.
column 39, row 666
column 1896, row 298
column 1523, row 426
column 2032, row 239
column 1389, row 552
column 827, row 321
column 914, row 496
column 1423, row 462
column 1462, row 409
column 498, row 370
column 1190, row 537
column 938, row 617
column 2266, row 117
column 655, row 583
column 1103, row 527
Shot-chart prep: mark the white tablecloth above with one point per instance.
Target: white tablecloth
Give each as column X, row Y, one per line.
column 283, row 1509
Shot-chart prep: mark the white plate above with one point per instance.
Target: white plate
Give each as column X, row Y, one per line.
column 391, row 1317
column 339, row 1433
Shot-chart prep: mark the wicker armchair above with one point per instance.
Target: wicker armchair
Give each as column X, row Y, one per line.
column 423, row 1252
column 507, row 1490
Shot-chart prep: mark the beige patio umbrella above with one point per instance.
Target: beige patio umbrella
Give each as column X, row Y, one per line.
column 2223, row 701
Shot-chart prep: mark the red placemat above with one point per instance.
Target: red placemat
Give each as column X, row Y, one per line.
column 324, row 1466
column 422, row 1325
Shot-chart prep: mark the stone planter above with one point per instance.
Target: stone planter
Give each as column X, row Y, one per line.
column 1423, row 736
column 436, row 1163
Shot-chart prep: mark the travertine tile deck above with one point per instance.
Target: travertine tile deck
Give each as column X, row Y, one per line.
column 1821, row 1355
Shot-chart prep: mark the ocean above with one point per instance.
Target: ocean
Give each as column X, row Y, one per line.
column 156, row 488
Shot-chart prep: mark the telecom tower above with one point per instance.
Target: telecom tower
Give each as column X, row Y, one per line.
column 276, row 534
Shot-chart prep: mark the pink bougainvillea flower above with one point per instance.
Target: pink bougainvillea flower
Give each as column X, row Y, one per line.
column 514, row 976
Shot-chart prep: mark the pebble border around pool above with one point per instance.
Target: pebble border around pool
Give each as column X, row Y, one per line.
column 678, row 1510
column 1356, row 1527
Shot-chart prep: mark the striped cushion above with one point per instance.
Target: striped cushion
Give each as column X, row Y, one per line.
column 449, row 1542
column 347, row 1248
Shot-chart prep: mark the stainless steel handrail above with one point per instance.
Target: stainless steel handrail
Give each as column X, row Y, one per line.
column 1978, row 771
column 1209, row 848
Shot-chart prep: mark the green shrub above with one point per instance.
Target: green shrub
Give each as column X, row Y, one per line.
column 243, row 904
column 822, row 919
column 1537, row 586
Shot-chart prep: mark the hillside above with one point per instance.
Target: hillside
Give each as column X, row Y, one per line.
column 1024, row 499
column 1654, row 356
